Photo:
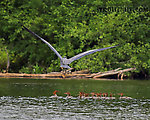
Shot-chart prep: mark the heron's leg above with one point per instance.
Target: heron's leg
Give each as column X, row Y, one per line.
column 68, row 71
column 62, row 68
column 63, row 72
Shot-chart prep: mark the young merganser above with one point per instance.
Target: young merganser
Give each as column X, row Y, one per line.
column 104, row 95
column 123, row 97
column 81, row 95
column 94, row 95
column 68, row 95
column 111, row 96
column 54, row 94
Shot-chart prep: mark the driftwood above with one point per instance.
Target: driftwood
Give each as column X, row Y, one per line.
column 81, row 72
column 99, row 73
column 49, row 75
column 113, row 72
column 76, row 74
column 52, row 75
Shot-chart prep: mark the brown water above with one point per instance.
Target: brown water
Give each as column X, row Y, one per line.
column 30, row 99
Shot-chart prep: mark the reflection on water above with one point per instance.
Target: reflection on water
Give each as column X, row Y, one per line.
column 30, row 99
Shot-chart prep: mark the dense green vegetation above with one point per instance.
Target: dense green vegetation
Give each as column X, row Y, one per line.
column 73, row 26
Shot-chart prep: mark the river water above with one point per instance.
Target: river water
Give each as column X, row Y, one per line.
column 30, row 99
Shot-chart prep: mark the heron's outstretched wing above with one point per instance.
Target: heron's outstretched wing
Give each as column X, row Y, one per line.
column 51, row 47
column 87, row 53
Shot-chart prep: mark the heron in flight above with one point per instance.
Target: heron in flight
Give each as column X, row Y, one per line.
column 64, row 62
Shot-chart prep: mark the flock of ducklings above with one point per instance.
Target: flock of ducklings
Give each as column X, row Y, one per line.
column 92, row 95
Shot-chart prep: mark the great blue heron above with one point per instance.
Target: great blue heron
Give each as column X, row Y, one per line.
column 64, row 62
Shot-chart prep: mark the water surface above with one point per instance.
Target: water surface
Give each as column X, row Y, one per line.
column 30, row 99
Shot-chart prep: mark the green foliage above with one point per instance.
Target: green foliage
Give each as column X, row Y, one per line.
column 36, row 69
column 73, row 27
column 27, row 70
column 3, row 59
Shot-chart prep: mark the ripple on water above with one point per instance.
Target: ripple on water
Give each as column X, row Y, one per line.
column 62, row 108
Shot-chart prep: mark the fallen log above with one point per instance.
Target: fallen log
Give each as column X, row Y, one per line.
column 53, row 75
column 81, row 72
column 99, row 73
column 108, row 73
column 77, row 74
column 49, row 75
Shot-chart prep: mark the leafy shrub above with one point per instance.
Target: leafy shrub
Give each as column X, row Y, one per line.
column 3, row 59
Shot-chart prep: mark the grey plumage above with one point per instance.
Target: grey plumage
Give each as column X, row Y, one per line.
column 64, row 61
